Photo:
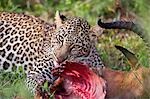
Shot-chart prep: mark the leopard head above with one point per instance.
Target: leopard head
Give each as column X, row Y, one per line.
column 74, row 40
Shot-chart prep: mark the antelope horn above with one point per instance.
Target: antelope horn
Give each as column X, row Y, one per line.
column 121, row 25
column 132, row 59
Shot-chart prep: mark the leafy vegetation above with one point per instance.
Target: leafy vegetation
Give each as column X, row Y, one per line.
column 10, row 85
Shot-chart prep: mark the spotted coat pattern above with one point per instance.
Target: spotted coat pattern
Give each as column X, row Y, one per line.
column 24, row 40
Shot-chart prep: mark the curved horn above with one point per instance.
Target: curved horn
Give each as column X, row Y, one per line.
column 136, row 28
column 121, row 25
column 130, row 56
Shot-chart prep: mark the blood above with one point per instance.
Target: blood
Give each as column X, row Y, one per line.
column 77, row 81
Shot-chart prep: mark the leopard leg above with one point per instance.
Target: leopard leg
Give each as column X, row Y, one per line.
column 35, row 80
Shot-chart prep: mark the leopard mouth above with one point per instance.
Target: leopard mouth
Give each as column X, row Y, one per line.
column 77, row 81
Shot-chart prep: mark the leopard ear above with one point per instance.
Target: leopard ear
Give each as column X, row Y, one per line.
column 95, row 32
column 59, row 19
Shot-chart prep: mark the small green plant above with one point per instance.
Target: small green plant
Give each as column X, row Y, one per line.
column 13, row 85
column 46, row 88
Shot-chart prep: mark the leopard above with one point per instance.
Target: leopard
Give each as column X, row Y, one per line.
column 37, row 46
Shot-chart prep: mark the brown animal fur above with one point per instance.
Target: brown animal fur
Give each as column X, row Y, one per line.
column 128, row 85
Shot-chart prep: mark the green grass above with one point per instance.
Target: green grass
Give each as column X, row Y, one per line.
column 12, row 84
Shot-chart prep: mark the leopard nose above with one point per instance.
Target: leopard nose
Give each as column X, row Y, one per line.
column 61, row 54
column 61, row 57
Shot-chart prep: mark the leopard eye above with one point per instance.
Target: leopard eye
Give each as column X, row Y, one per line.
column 60, row 38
